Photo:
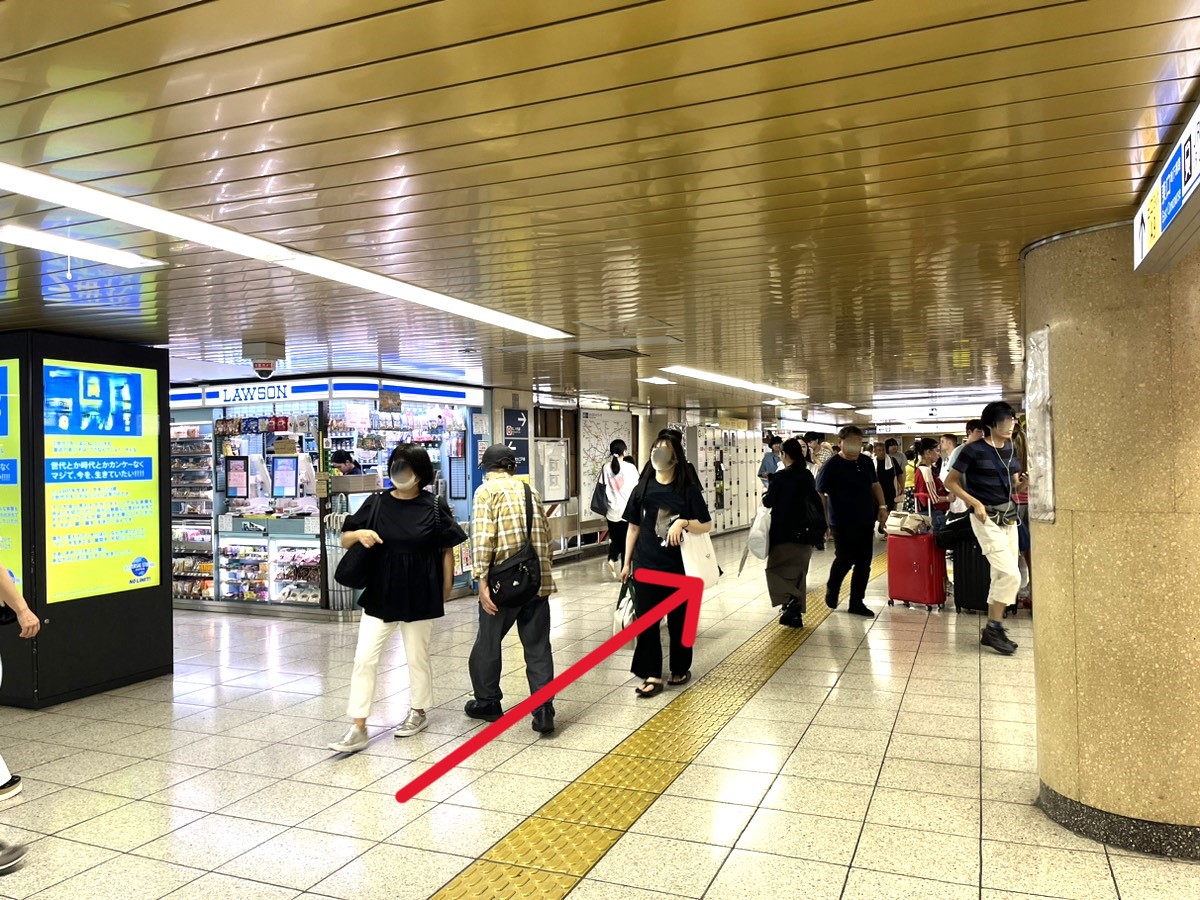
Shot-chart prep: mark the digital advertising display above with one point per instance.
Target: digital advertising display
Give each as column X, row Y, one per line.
column 101, row 428
column 12, row 555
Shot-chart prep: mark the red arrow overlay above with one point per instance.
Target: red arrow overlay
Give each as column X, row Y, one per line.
column 687, row 590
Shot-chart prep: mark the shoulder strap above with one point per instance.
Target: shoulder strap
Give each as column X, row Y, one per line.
column 528, row 513
column 373, row 519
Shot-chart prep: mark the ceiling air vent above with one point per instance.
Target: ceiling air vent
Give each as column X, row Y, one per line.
column 611, row 355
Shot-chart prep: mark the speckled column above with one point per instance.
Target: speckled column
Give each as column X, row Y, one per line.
column 1117, row 576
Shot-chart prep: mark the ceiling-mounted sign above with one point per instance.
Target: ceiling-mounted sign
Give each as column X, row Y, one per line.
column 1165, row 222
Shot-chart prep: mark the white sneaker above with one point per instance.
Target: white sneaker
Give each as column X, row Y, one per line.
column 352, row 741
column 414, row 724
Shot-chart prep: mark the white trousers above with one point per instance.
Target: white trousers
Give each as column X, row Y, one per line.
column 373, row 635
column 1001, row 546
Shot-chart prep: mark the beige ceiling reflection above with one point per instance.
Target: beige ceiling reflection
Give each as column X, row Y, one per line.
column 830, row 196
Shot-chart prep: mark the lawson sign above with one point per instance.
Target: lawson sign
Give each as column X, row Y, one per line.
column 249, row 393
column 341, row 388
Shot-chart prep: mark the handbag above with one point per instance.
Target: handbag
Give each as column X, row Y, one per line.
column 518, row 580
column 600, row 497
column 699, row 558
column 957, row 530
column 902, row 524
column 626, row 609
column 354, row 569
column 758, row 541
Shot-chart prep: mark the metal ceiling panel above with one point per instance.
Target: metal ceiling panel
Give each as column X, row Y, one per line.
column 830, row 196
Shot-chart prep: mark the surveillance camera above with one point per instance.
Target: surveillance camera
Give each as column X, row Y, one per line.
column 264, row 368
column 264, row 356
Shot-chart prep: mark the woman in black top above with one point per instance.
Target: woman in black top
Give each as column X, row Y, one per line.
column 797, row 526
column 664, row 505
column 412, row 568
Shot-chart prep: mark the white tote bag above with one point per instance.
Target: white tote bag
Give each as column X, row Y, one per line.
column 758, row 541
column 699, row 558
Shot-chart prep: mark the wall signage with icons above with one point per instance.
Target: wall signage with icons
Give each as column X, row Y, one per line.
column 103, row 523
column 1164, row 223
column 516, row 437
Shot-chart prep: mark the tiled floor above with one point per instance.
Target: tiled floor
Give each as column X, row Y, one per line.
column 884, row 759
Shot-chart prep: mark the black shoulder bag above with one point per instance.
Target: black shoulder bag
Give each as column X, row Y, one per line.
column 600, row 497
column 518, row 580
column 355, row 567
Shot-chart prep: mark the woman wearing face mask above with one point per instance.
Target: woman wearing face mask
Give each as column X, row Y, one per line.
column 412, row 568
column 666, row 503
column 620, row 477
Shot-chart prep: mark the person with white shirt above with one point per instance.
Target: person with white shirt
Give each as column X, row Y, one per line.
column 974, row 433
column 620, row 477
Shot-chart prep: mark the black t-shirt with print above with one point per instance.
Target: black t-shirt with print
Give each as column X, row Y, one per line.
column 653, row 508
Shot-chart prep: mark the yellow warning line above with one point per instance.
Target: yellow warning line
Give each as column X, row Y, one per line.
column 546, row 855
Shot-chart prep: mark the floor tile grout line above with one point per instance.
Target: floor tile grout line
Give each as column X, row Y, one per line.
column 982, row 824
column 883, row 762
column 756, row 636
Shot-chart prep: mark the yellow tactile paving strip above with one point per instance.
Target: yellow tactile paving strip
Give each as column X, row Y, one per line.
column 550, row 852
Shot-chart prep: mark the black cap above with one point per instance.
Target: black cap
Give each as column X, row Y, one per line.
column 499, row 456
column 340, row 456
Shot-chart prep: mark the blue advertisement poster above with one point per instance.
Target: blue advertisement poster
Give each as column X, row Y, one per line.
column 11, row 549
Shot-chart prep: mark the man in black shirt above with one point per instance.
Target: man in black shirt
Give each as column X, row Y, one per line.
column 854, row 504
column 992, row 472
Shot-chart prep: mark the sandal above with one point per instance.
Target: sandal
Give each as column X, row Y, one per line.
column 651, row 687
column 679, row 680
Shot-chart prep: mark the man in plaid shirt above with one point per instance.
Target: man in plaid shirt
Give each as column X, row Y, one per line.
column 497, row 533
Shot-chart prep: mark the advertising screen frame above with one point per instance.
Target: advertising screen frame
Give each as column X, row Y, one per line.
column 90, row 644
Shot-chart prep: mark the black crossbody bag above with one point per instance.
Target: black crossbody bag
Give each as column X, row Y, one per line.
column 518, row 580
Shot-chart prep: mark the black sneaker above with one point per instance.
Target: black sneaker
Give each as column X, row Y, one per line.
column 10, row 788
column 996, row 637
column 10, row 855
column 860, row 609
column 543, row 719
column 792, row 617
column 487, row 710
column 831, row 600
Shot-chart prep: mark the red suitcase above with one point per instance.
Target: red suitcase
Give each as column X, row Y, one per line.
column 916, row 570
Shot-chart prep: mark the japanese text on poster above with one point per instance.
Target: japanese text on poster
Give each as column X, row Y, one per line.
column 102, row 498
column 11, row 544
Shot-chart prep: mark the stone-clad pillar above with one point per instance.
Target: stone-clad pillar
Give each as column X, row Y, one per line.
column 1117, row 576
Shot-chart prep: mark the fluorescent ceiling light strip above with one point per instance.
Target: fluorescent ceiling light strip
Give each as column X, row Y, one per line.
column 63, row 246
column 654, row 379
column 767, row 389
column 938, row 395
column 838, row 405
column 921, row 413
column 101, row 203
column 804, row 425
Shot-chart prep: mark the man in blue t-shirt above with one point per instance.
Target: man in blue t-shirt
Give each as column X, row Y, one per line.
column 854, row 504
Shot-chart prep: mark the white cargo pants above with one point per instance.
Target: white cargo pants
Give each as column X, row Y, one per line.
column 1000, row 544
